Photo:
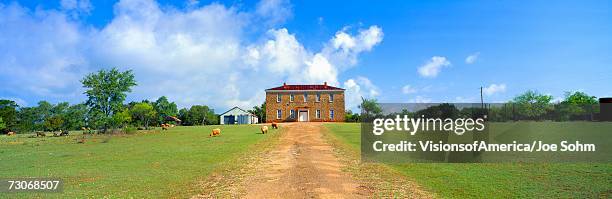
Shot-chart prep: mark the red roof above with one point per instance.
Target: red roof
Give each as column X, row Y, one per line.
column 286, row 87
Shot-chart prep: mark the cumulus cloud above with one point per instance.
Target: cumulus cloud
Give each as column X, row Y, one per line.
column 472, row 58
column 200, row 55
column 407, row 89
column 494, row 88
column 432, row 67
column 356, row 88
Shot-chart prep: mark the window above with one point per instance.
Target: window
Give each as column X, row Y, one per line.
column 291, row 97
column 278, row 114
column 305, row 97
column 331, row 114
column 318, row 98
column 292, row 114
column 331, row 97
column 318, row 114
column 278, row 97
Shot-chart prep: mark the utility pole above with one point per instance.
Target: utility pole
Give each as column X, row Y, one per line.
column 481, row 99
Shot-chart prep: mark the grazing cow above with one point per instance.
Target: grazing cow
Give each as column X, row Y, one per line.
column 215, row 132
column 264, row 129
column 41, row 134
column 274, row 125
column 165, row 126
column 64, row 133
column 10, row 133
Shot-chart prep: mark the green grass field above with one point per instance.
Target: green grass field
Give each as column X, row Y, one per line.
column 501, row 180
column 157, row 164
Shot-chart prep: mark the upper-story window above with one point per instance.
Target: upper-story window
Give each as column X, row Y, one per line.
column 331, row 97
column 278, row 97
column 305, row 97
column 318, row 98
column 291, row 97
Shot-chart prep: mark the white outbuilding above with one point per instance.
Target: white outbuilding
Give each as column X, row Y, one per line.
column 237, row 116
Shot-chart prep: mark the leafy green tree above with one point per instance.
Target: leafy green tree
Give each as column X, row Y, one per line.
column 8, row 112
column 54, row 123
column 533, row 105
column 164, row 108
column 579, row 98
column 2, row 124
column 369, row 109
column 182, row 115
column 576, row 106
column 260, row 112
column 106, row 91
column 122, row 118
column 201, row 115
column 75, row 117
column 29, row 119
column 144, row 113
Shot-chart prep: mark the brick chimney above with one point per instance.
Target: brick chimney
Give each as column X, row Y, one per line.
column 284, row 84
column 325, row 84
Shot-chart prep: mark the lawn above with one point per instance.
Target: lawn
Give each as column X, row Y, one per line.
column 500, row 180
column 160, row 164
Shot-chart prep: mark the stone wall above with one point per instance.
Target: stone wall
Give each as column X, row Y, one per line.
column 324, row 105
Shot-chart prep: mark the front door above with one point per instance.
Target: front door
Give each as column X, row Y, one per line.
column 303, row 116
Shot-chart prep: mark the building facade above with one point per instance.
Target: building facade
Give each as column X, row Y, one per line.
column 237, row 116
column 305, row 103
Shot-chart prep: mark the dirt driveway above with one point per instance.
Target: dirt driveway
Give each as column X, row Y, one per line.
column 303, row 165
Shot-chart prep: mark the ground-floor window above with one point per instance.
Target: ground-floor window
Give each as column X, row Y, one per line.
column 318, row 114
column 331, row 114
column 292, row 114
column 278, row 114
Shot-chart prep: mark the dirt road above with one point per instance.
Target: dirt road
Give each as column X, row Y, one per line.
column 303, row 165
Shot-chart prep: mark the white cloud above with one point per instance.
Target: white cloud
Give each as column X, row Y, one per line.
column 200, row 55
column 494, row 88
column 432, row 67
column 472, row 58
column 356, row 88
column 420, row 99
column 274, row 11
column 407, row 89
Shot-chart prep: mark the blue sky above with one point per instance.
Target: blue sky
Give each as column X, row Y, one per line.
column 224, row 53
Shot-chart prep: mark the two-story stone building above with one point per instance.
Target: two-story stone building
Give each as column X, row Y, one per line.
column 314, row 103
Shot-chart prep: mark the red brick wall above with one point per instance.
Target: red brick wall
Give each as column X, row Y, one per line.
column 324, row 105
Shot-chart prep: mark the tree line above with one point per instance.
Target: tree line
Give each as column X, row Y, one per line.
column 103, row 110
column 530, row 105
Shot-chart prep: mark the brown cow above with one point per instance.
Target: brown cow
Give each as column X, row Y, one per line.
column 274, row 125
column 41, row 134
column 10, row 133
column 164, row 126
column 264, row 129
column 215, row 132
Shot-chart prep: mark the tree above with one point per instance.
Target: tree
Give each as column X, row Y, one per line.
column 8, row 112
column 28, row 119
column 576, row 105
column 122, row 118
column 369, row 109
column 144, row 112
column 532, row 105
column 2, row 124
column 579, row 98
column 75, row 117
column 54, row 123
column 165, row 109
column 201, row 115
column 260, row 112
column 106, row 91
